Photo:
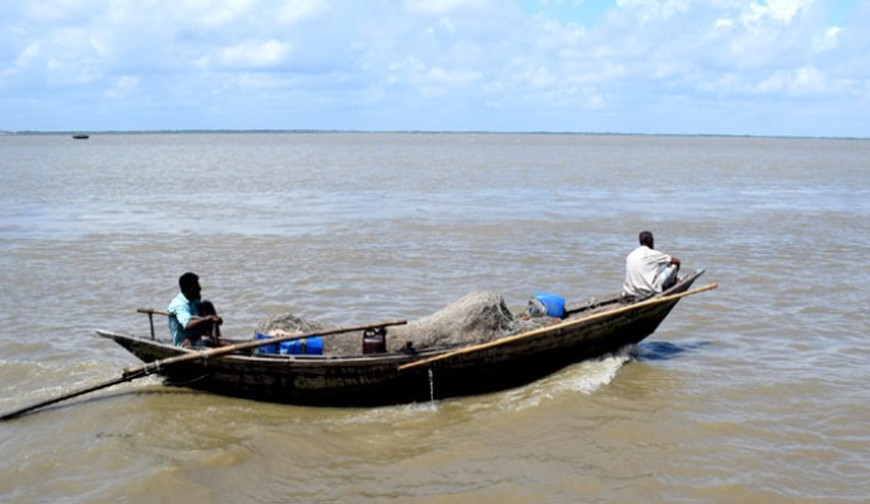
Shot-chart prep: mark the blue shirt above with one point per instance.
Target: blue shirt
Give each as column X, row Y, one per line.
column 180, row 311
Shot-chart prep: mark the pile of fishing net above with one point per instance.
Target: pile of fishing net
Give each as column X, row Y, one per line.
column 475, row 318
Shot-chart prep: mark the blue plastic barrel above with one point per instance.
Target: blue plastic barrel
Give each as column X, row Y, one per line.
column 305, row 346
column 554, row 304
column 266, row 349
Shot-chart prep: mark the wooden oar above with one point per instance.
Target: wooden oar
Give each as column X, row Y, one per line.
column 568, row 323
column 130, row 374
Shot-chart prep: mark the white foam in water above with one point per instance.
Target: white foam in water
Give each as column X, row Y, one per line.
column 595, row 374
column 585, row 378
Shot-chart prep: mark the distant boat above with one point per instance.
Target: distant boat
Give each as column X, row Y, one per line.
column 81, row 137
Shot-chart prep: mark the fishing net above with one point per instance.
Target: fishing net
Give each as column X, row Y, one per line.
column 477, row 317
column 290, row 323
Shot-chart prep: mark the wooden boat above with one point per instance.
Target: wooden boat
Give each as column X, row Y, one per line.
column 592, row 328
column 81, row 136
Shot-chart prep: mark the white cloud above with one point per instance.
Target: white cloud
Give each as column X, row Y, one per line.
column 655, row 10
column 439, row 7
column 24, row 59
column 799, row 82
column 491, row 59
column 295, row 11
column 206, row 13
column 829, row 40
column 123, row 87
column 254, row 54
column 440, row 82
column 782, row 11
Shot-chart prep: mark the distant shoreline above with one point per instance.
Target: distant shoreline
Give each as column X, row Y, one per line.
column 407, row 132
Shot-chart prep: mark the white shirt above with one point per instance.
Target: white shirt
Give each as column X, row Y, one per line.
column 643, row 268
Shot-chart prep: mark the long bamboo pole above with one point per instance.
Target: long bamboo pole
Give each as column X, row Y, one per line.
column 569, row 323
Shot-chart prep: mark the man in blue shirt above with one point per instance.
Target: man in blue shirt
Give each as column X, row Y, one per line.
column 190, row 318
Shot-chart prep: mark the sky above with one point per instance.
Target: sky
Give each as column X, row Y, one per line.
column 692, row 67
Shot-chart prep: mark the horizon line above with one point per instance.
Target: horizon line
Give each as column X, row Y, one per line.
column 410, row 132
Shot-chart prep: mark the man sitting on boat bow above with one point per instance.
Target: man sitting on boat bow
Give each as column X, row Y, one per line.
column 190, row 318
column 648, row 271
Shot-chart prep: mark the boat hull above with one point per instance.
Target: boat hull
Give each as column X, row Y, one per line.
column 370, row 380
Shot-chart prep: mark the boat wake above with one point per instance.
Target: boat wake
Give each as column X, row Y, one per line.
column 586, row 378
